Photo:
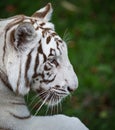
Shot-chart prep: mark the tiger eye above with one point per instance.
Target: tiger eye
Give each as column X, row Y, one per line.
column 54, row 61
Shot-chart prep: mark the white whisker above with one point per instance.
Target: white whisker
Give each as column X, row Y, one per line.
column 57, row 104
column 60, row 106
column 66, row 36
column 42, row 95
column 33, row 99
column 40, row 100
column 47, row 109
column 35, row 105
column 51, row 109
column 41, row 105
column 43, row 92
column 52, row 98
column 27, row 97
column 51, row 103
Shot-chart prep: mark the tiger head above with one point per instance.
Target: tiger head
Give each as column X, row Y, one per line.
column 35, row 57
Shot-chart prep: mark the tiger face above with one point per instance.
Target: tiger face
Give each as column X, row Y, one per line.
column 55, row 78
column 35, row 57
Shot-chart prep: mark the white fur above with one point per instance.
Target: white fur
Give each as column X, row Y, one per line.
column 10, row 67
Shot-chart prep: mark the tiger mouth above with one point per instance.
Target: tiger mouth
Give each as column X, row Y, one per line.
column 52, row 96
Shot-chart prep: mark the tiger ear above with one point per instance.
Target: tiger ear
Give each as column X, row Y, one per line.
column 44, row 13
column 24, row 33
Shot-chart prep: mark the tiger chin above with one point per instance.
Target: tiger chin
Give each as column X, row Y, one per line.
column 34, row 57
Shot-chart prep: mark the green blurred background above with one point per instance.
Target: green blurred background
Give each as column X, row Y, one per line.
column 90, row 30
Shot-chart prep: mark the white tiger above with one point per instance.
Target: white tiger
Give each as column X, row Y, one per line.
column 33, row 56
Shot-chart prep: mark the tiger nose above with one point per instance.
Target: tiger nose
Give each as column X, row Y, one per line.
column 70, row 89
column 73, row 86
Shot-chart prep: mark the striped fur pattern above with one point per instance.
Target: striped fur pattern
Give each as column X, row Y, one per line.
column 33, row 57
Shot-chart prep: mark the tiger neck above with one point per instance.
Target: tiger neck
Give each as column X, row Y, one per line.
column 7, row 95
column 4, row 84
column 5, row 87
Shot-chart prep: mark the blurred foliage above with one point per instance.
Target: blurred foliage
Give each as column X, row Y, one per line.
column 91, row 28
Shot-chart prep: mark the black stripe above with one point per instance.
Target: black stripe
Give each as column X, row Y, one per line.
column 48, row 39
column 27, row 66
column 36, row 64
column 40, row 50
column 58, row 47
column 20, row 117
column 4, row 79
column 52, row 52
column 18, row 103
column 48, row 81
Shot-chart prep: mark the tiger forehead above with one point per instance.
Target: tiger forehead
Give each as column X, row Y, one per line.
column 45, row 27
column 52, row 45
column 48, row 33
